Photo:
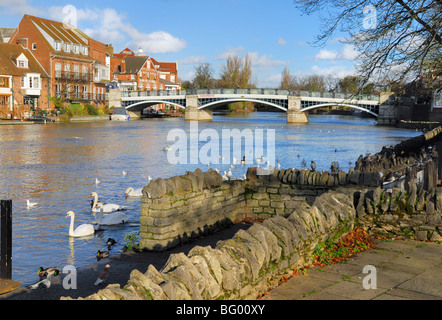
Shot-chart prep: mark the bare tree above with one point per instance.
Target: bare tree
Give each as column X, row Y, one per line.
column 237, row 72
column 397, row 39
column 203, row 76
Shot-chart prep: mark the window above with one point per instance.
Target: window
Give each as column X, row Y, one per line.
column 34, row 46
column 132, row 77
column 67, row 47
column 84, row 90
column 36, row 83
column 22, row 63
column 76, row 71
column 76, row 48
column 57, row 45
column 4, row 101
column 58, row 70
column 30, row 82
column 23, row 81
column 85, row 51
column 58, row 90
column 4, row 82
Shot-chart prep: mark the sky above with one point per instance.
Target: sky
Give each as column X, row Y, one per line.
column 273, row 33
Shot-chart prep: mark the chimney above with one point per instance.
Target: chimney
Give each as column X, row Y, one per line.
column 123, row 66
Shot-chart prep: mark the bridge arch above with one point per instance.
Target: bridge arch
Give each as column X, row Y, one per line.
column 340, row 105
column 231, row 100
column 149, row 103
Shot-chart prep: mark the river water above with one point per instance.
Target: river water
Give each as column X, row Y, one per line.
column 56, row 166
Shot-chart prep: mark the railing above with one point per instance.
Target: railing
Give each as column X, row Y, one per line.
column 277, row 92
column 78, row 96
column 74, row 76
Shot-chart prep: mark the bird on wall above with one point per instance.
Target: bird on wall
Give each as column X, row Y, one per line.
column 313, row 166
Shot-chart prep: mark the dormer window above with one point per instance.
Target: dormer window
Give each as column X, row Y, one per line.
column 57, row 45
column 67, row 47
column 76, row 48
column 85, row 51
column 22, row 61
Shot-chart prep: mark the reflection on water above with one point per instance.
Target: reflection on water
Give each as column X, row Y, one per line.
column 56, row 166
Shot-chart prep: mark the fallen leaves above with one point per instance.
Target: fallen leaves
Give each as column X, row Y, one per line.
column 356, row 241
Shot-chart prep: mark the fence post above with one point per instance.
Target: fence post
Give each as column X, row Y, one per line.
column 6, row 239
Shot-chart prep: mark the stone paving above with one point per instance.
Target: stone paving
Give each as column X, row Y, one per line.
column 405, row 270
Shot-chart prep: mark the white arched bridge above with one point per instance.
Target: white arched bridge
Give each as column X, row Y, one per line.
column 199, row 103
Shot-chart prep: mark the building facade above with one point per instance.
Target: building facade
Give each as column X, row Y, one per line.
column 76, row 63
column 24, row 84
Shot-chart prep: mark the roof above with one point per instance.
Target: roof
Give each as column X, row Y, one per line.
column 57, row 31
column 9, row 52
column 166, row 66
column 6, row 33
column 169, row 83
column 133, row 64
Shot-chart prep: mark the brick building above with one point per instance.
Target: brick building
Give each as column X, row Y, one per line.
column 75, row 62
column 24, row 84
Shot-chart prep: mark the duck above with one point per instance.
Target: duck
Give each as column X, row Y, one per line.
column 82, row 230
column 131, row 192
column 259, row 159
column 167, row 148
column 103, row 275
column 102, row 254
column 107, row 207
column 110, row 242
column 243, row 161
column 44, row 283
column 30, row 204
column 44, row 273
column 112, row 218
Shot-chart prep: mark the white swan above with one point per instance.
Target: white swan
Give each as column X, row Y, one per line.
column 82, row 230
column 31, row 204
column 131, row 192
column 110, row 219
column 229, row 174
column 108, row 207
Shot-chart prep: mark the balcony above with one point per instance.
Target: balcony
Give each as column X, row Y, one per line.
column 82, row 97
column 73, row 76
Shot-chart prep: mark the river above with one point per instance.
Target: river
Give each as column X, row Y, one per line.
column 56, row 166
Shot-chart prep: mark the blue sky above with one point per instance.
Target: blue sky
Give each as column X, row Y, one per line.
column 273, row 33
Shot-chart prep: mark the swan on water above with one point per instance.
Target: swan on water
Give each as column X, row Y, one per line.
column 131, row 192
column 107, row 207
column 31, row 204
column 81, row 230
column 112, row 218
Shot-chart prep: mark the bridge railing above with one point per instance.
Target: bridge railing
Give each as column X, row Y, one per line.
column 331, row 95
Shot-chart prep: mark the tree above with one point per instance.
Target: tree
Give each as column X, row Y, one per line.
column 349, row 84
column 397, row 39
column 203, row 76
column 237, row 72
column 313, row 82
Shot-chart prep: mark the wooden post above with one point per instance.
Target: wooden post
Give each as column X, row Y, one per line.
column 6, row 239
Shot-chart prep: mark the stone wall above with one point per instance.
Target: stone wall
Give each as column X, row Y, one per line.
column 247, row 264
column 183, row 207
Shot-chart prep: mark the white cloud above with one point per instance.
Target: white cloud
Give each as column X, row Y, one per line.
column 109, row 26
column 264, row 60
column 18, row 7
column 229, row 52
column 282, row 42
column 348, row 53
column 193, row 60
column 336, row 71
